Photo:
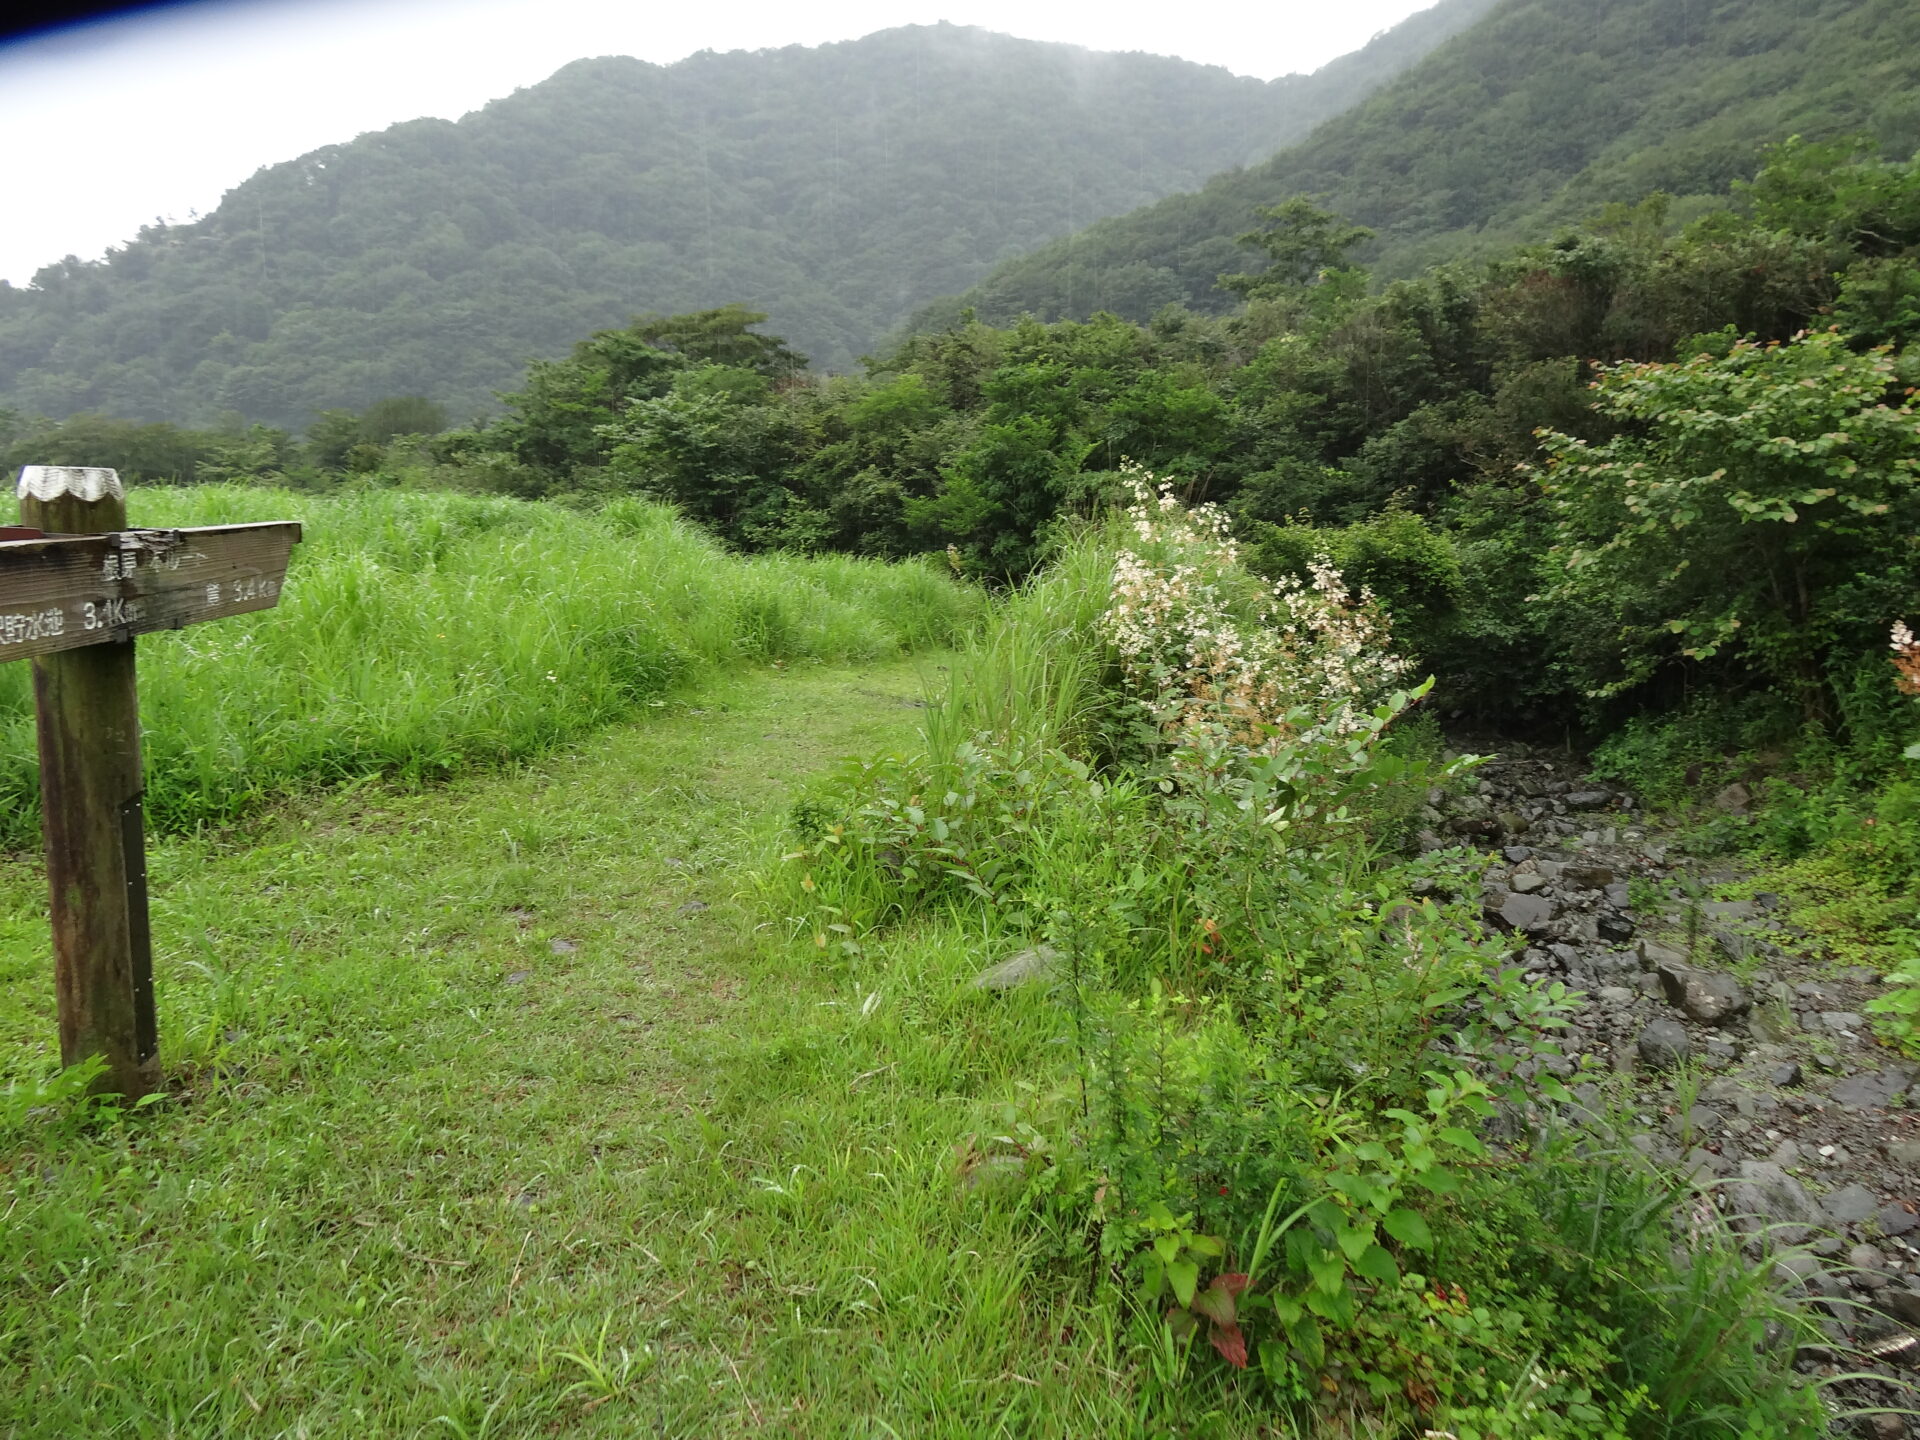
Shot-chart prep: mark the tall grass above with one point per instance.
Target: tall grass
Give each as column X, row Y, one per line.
column 1040, row 671
column 423, row 633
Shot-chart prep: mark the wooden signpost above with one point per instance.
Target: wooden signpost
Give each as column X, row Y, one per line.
column 76, row 585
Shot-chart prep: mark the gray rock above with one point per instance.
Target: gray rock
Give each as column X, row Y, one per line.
column 1587, row 877
column 1654, row 955
column 1734, row 800
column 1733, row 945
column 1905, row 1152
column 1869, row 1092
column 1664, row 1044
column 1616, row 928
column 1765, row 1198
column 1518, row 854
column 1617, row 996
column 1618, row 895
column 1869, row 1266
column 1895, row 1219
column 1851, row 1205
column 1728, row 909
column 1527, row 883
column 1529, row 913
column 1902, row 1302
column 1785, row 1075
column 1429, row 842
column 1705, row 995
column 1843, row 1022
column 1038, row 963
column 1587, row 799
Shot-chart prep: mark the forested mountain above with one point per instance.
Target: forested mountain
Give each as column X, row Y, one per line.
column 1538, row 115
column 835, row 188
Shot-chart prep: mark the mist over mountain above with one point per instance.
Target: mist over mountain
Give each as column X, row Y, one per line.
column 837, row 188
column 1535, row 117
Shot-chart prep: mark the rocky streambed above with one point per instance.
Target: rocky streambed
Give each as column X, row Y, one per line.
column 1717, row 1039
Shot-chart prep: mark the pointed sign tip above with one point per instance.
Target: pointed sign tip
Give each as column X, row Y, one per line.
column 84, row 482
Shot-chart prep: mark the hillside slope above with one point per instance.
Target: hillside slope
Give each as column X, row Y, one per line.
column 1538, row 115
column 836, row 188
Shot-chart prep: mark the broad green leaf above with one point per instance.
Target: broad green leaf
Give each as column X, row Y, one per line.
column 1184, row 1276
column 1408, row 1228
column 1329, row 1272
column 1377, row 1265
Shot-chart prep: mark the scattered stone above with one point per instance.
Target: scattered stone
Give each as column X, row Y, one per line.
column 1587, row 877
column 1766, row 900
column 1664, row 1044
column 1529, row 913
column 1905, row 1152
column 1618, row 895
column 1784, row 1075
column 1851, row 1205
column 1035, row 964
column 1705, row 995
column 519, row 977
column 1728, row 909
column 562, row 947
column 1869, row 1265
column 1615, row 928
column 1654, row 956
column 1518, row 854
column 692, row 907
column 1765, row 1198
column 1843, row 1022
column 1869, row 1092
column 1734, row 800
column 1527, row 883
column 1587, row 799
column 1902, row 1302
column 1618, row 996
column 1895, row 1219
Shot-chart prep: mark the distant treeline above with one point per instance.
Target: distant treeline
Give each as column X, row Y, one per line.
column 1399, row 431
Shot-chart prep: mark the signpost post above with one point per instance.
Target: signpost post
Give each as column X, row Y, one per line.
column 76, row 585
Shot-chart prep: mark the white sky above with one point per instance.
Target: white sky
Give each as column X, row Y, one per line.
column 105, row 127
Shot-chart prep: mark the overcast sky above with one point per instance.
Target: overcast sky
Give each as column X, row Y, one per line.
column 106, row 126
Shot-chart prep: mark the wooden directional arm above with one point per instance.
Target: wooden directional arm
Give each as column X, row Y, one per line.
column 65, row 591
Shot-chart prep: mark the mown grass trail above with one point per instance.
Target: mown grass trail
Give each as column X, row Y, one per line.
column 485, row 1127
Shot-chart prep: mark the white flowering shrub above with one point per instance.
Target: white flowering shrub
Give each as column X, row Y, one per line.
column 1214, row 649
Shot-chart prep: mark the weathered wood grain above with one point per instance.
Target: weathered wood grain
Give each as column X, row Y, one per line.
column 91, row 800
column 68, row 591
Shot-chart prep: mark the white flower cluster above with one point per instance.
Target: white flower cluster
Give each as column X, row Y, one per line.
column 1195, row 630
column 1906, row 657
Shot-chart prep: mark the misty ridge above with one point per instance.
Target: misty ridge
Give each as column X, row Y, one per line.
column 836, row 188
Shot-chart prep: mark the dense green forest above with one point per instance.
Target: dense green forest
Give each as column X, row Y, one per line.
column 1418, row 432
column 1539, row 114
column 837, row 188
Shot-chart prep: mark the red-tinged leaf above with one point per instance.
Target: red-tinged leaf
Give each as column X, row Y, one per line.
column 1231, row 1344
column 1235, row 1283
column 1216, row 1302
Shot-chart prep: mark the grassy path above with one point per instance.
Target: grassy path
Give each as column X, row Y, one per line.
column 497, row 1119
